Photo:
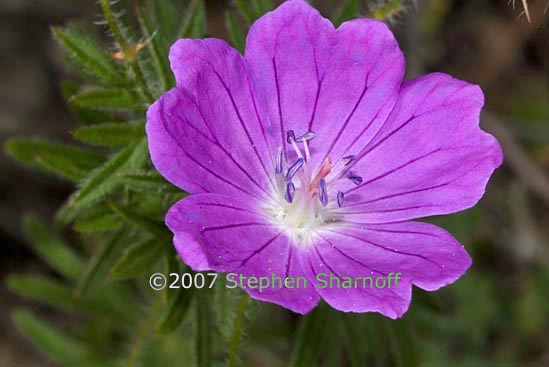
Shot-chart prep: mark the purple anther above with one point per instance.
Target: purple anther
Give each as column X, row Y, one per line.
column 290, row 136
column 322, row 192
column 348, row 159
column 306, row 137
column 290, row 190
column 357, row 180
column 340, row 197
column 293, row 169
column 278, row 168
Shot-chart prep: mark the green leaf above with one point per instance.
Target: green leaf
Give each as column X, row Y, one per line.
column 62, row 159
column 54, row 293
column 140, row 222
column 349, row 10
column 107, row 99
column 111, row 135
column 148, row 181
column 389, row 10
column 176, row 312
column 102, row 220
column 203, row 329
column 157, row 37
column 54, row 344
column 88, row 54
column 51, row 249
column 245, row 8
column 194, row 25
column 104, row 179
column 97, row 269
column 310, row 337
column 236, row 34
column 139, row 258
column 82, row 114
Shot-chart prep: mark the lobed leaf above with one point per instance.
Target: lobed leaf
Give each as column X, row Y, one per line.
column 61, row 159
column 107, row 99
column 88, row 54
column 111, row 134
column 54, row 344
column 148, row 181
column 139, row 221
column 176, row 312
column 139, row 258
column 57, row 254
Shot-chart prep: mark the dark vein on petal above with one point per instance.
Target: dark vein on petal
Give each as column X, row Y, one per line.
column 238, row 225
column 394, row 170
column 258, row 251
column 393, row 251
column 197, row 161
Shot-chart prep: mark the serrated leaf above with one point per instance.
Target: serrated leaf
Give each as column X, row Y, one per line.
column 176, row 312
column 54, row 293
column 148, row 181
column 140, row 222
column 97, row 269
column 194, row 25
column 62, row 159
column 52, row 250
column 238, row 39
column 111, row 135
column 98, row 222
column 54, row 344
column 139, row 258
column 104, row 179
column 156, row 27
column 84, row 115
column 88, row 54
column 107, row 99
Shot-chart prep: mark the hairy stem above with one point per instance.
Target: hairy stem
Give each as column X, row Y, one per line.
column 238, row 327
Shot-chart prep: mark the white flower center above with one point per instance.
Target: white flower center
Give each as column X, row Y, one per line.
column 302, row 205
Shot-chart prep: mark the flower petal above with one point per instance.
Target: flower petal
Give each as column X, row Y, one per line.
column 341, row 83
column 232, row 237
column 209, row 133
column 429, row 158
column 423, row 254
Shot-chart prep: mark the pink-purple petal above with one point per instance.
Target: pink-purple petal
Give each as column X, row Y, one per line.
column 429, row 158
column 341, row 83
column 423, row 254
column 210, row 134
column 234, row 238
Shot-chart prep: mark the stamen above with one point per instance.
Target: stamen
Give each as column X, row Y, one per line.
column 305, row 137
column 278, row 168
column 357, row 180
column 323, row 172
column 340, row 197
column 293, row 169
column 323, row 193
column 348, row 159
column 290, row 190
column 290, row 136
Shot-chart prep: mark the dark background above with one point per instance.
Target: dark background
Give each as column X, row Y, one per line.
column 502, row 303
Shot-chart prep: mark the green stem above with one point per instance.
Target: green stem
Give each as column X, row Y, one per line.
column 203, row 342
column 238, row 326
column 143, row 332
column 126, row 50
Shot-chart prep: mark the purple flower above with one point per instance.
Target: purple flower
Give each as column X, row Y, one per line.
column 310, row 155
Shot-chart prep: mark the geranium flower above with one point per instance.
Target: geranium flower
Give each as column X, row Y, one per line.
column 310, row 155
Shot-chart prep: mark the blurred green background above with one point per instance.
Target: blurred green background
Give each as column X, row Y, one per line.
column 496, row 315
